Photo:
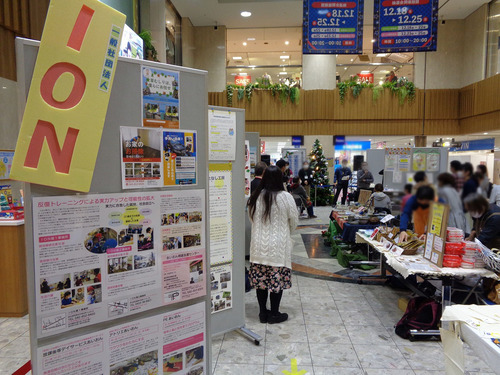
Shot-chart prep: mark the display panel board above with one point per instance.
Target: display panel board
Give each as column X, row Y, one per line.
column 332, row 27
column 405, row 26
column 125, row 109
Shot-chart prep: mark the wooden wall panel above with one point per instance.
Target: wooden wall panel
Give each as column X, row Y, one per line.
column 319, row 104
column 487, row 95
column 467, row 99
column 480, row 123
column 441, row 104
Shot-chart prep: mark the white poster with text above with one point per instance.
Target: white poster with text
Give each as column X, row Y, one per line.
column 221, row 135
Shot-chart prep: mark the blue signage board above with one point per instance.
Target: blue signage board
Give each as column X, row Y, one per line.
column 333, row 27
column 478, row 144
column 297, row 140
column 353, row 146
column 405, row 26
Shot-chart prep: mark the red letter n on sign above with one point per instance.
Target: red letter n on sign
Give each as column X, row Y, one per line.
column 60, row 156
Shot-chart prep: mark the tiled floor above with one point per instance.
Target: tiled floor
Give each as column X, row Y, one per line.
column 335, row 328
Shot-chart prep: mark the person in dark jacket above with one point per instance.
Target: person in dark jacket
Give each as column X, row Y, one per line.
column 342, row 177
column 471, row 184
column 365, row 179
column 486, row 218
column 260, row 168
column 298, row 192
column 306, row 176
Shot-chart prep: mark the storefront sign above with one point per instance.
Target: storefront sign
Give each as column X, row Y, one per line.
column 242, row 80
column 405, row 26
column 479, row 144
column 366, row 77
column 353, row 146
column 68, row 98
column 333, row 27
column 297, row 140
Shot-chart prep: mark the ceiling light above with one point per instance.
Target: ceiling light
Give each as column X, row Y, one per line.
column 246, row 14
column 252, row 66
column 287, row 42
column 373, row 40
column 283, row 73
column 380, row 83
column 394, row 68
column 283, row 60
column 168, row 21
column 352, row 60
column 240, row 70
column 370, row 139
column 345, row 68
column 250, row 39
column 365, row 71
column 239, row 58
column 284, row 57
column 244, row 43
column 382, row 54
column 485, row 133
column 243, row 74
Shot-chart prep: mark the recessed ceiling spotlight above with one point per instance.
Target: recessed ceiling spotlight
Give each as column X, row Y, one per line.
column 287, row 42
column 244, row 43
column 352, row 60
column 236, row 57
column 168, row 21
column 250, row 39
column 285, row 57
column 252, row 66
column 373, row 40
column 485, row 133
column 283, row 73
column 246, row 14
column 345, row 68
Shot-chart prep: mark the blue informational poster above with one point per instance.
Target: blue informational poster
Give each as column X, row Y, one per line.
column 405, row 26
column 333, row 27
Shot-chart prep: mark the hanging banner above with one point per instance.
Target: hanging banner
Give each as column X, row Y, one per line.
column 405, row 26
column 68, row 98
column 333, row 27
column 160, row 98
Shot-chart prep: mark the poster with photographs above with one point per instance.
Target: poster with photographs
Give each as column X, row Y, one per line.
column 221, row 214
column 247, row 169
column 160, row 98
column 141, row 158
column 99, row 257
column 173, row 342
column 153, row 158
column 179, row 157
column 221, row 287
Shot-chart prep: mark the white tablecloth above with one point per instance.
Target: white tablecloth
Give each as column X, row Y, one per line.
column 407, row 265
column 475, row 325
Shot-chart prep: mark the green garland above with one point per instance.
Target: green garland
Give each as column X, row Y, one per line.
column 283, row 92
column 403, row 89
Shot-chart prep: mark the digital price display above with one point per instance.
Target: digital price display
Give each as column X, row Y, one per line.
column 333, row 27
column 405, row 26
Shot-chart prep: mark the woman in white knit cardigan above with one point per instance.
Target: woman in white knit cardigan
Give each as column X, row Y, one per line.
column 274, row 217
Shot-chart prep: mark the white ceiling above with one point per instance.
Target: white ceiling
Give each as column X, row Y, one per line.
column 285, row 13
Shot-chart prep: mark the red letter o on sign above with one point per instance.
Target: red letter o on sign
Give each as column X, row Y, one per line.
column 50, row 78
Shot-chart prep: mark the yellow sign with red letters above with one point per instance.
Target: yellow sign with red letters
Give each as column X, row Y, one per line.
column 69, row 94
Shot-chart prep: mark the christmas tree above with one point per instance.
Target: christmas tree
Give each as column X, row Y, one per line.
column 320, row 177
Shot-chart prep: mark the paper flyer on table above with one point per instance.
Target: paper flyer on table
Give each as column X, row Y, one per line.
column 100, row 257
column 179, row 157
column 141, row 158
column 220, row 210
column 160, row 97
column 165, row 343
column 221, row 287
column 221, row 135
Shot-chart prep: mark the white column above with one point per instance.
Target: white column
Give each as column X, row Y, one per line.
column 319, row 72
column 157, row 22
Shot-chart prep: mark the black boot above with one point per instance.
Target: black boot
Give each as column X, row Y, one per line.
column 262, row 298
column 276, row 316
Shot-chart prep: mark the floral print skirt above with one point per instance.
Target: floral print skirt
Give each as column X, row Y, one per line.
column 274, row 279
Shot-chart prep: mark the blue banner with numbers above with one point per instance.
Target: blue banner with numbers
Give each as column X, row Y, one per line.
column 405, row 26
column 333, row 27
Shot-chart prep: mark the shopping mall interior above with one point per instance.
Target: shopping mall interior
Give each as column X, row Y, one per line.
column 325, row 199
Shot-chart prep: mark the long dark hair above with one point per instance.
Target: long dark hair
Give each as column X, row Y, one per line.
column 270, row 186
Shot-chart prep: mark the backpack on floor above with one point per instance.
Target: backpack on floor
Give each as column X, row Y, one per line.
column 421, row 313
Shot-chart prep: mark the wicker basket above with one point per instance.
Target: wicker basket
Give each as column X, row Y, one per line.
column 491, row 260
